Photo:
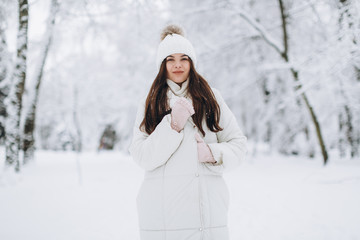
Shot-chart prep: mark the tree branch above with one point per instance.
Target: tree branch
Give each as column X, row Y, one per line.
column 261, row 30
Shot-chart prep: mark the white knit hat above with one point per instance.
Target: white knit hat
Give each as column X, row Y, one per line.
column 174, row 42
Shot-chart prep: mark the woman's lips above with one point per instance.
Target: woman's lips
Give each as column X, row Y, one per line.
column 178, row 72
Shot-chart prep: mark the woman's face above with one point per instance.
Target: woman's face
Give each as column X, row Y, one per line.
column 177, row 67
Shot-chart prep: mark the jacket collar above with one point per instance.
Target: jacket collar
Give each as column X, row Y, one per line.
column 176, row 89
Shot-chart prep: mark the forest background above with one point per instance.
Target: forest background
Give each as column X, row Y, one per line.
column 72, row 72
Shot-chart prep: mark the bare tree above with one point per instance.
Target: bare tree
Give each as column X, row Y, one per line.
column 295, row 74
column 30, row 118
column 284, row 53
column 347, row 134
column 14, row 105
column 4, row 59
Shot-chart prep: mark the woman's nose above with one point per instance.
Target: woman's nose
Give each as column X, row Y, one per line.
column 178, row 64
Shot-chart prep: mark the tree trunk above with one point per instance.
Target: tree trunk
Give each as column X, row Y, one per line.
column 283, row 51
column 78, row 143
column 346, row 126
column 295, row 74
column 4, row 89
column 12, row 137
column 30, row 119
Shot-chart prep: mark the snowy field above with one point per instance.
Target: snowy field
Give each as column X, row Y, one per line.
column 272, row 198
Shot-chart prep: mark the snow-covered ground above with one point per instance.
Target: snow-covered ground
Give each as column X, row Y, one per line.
column 272, row 198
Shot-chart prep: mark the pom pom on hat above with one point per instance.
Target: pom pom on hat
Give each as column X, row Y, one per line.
column 174, row 41
column 172, row 29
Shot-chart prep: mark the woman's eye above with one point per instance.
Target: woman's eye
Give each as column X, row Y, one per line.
column 170, row 59
column 184, row 59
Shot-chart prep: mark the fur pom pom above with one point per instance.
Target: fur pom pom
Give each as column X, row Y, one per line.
column 171, row 29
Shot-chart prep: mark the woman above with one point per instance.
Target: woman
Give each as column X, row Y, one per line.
column 185, row 136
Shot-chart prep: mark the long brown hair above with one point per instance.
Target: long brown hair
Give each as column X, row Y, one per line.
column 203, row 98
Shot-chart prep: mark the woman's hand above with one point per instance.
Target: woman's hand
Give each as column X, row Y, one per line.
column 180, row 113
column 204, row 152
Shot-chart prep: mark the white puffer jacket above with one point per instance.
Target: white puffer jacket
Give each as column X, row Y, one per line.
column 181, row 198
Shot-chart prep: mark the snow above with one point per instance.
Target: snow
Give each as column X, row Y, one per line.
column 271, row 197
column 47, row 201
column 284, row 198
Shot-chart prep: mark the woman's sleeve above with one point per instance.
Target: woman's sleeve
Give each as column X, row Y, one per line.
column 152, row 151
column 230, row 150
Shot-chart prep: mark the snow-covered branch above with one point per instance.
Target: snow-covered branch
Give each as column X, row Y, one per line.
column 262, row 31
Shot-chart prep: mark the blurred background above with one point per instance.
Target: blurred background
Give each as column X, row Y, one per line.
column 72, row 74
column 289, row 70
